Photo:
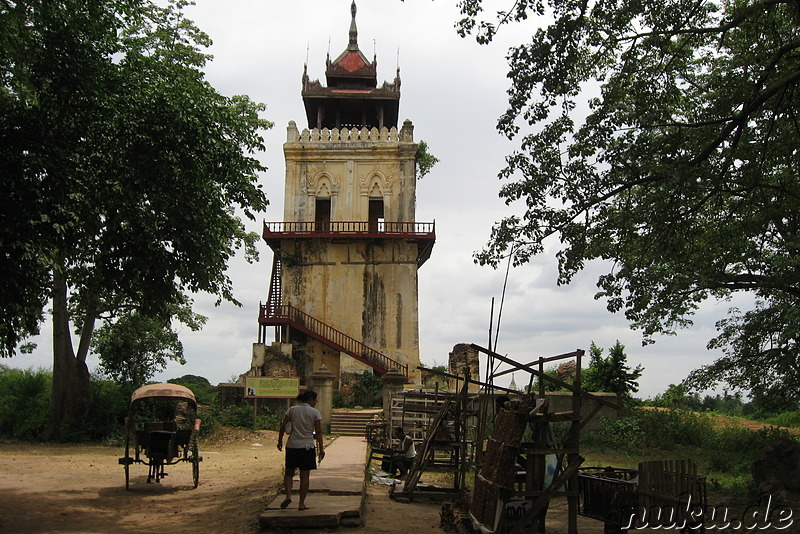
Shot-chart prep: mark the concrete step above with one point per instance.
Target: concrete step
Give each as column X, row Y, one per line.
column 350, row 423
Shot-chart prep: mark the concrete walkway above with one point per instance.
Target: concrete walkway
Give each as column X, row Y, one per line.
column 335, row 495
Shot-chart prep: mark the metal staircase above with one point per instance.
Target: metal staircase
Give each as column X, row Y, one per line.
column 275, row 313
column 274, row 296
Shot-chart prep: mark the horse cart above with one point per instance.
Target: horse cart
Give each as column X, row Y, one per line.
column 161, row 430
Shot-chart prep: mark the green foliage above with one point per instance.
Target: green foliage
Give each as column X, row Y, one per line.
column 620, row 434
column 681, row 172
column 785, row 419
column 677, row 396
column 135, row 347
column 611, row 374
column 339, row 400
column 24, row 400
column 125, row 169
column 728, row 404
column 368, row 390
column 124, row 172
column 204, row 392
column 425, row 160
column 241, row 417
column 25, row 397
column 728, row 452
column 548, row 385
column 108, row 406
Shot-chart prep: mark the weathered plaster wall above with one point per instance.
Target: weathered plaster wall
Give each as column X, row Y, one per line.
column 464, row 356
column 350, row 167
column 366, row 288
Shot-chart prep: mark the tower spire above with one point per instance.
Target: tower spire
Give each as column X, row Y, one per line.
column 353, row 30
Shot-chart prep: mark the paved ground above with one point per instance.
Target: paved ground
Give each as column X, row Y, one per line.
column 336, row 492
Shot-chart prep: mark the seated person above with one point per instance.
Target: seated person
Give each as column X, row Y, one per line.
column 184, row 416
column 405, row 454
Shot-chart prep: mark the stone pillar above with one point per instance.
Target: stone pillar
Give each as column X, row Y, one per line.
column 323, row 385
column 393, row 382
column 258, row 359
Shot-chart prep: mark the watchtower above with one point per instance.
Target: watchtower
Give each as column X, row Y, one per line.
column 343, row 290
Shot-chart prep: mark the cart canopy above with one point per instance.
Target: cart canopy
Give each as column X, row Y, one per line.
column 164, row 391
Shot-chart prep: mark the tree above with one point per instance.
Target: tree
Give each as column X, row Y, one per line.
column 135, row 347
column 611, row 374
column 123, row 168
column 425, row 160
column 678, row 396
column 681, row 173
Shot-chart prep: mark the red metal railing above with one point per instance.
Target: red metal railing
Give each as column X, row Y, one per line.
column 350, row 228
column 287, row 314
column 274, row 297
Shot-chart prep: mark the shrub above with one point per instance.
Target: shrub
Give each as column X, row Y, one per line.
column 240, row 417
column 787, row 419
column 667, row 429
column 24, row 402
column 624, row 433
column 108, row 406
column 368, row 390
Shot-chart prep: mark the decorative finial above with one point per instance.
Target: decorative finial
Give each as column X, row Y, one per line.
column 353, row 30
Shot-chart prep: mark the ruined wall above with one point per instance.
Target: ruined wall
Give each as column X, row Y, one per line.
column 464, row 355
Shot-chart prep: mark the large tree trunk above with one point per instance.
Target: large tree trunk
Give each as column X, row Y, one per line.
column 69, row 401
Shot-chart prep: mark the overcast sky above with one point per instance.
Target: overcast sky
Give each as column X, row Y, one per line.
column 453, row 90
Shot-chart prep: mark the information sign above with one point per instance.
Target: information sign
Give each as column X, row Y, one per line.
column 271, row 387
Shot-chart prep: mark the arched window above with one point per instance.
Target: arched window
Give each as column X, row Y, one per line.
column 376, row 213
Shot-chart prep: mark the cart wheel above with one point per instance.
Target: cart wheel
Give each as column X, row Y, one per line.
column 127, row 462
column 195, row 463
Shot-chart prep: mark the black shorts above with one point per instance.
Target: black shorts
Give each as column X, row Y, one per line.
column 302, row 459
column 401, row 459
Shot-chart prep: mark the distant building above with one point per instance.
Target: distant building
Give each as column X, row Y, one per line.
column 343, row 290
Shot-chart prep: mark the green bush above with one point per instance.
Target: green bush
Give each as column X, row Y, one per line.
column 667, row 429
column 624, row 433
column 240, row 417
column 726, row 454
column 25, row 406
column 368, row 390
column 24, row 402
column 204, row 392
column 654, row 429
column 787, row 419
column 339, row 401
column 108, row 405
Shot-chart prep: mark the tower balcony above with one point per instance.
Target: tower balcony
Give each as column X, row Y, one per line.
column 423, row 233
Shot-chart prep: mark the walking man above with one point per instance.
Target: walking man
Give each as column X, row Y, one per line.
column 306, row 428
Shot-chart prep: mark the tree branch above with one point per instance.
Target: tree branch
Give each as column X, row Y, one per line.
column 748, row 110
column 740, row 17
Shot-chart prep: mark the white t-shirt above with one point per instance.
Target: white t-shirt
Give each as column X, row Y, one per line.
column 411, row 452
column 302, row 417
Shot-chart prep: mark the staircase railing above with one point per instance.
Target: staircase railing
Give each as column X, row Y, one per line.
column 287, row 314
column 274, row 296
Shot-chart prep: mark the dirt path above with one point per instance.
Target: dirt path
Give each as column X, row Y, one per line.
column 80, row 488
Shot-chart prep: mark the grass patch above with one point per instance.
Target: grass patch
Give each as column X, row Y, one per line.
column 724, row 454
